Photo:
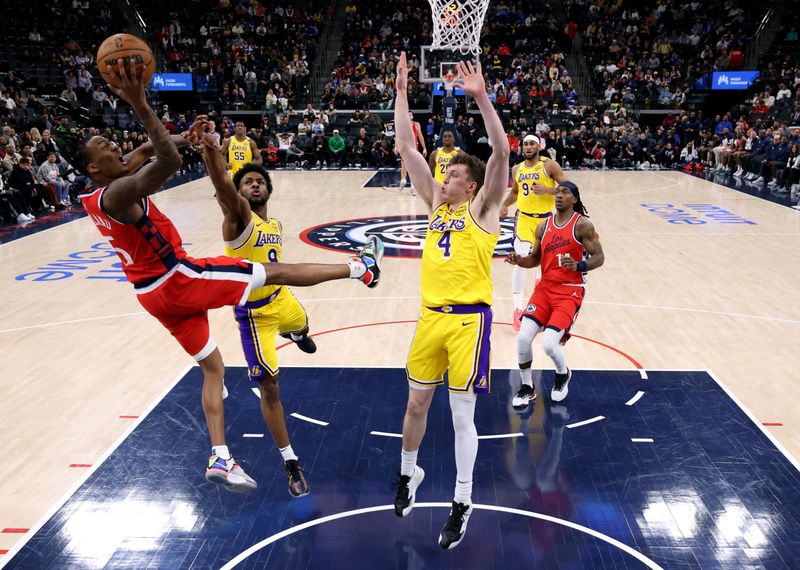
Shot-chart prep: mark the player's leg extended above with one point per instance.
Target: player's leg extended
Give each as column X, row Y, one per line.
column 365, row 267
column 427, row 362
column 530, row 326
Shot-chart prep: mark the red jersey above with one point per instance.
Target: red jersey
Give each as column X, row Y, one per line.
column 556, row 243
column 148, row 248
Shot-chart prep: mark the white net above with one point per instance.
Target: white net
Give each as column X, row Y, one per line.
column 457, row 24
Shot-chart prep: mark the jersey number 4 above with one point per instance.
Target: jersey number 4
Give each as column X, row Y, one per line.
column 444, row 244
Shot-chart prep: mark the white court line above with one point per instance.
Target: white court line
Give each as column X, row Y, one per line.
column 585, row 422
column 635, row 399
column 642, row 439
column 73, row 321
column 705, row 311
column 386, row 434
column 750, row 415
column 643, row 373
column 307, row 419
column 501, row 435
column 252, row 435
column 283, row 534
column 89, row 472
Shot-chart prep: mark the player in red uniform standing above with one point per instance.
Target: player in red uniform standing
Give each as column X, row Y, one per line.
column 567, row 247
column 176, row 289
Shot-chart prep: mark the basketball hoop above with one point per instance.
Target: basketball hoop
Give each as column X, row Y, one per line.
column 457, row 24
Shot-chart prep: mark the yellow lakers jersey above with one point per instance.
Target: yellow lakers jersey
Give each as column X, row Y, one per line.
column 239, row 154
column 442, row 161
column 527, row 201
column 456, row 258
column 261, row 242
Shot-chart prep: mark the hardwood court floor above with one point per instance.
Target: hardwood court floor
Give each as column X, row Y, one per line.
column 79, row 353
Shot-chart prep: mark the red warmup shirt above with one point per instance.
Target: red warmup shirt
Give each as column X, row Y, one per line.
column 148, row 248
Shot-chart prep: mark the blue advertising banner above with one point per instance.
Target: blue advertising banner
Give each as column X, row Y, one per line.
column 171, row 82
column 733, row 79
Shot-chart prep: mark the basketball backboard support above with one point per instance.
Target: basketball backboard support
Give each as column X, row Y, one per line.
column 436, row 63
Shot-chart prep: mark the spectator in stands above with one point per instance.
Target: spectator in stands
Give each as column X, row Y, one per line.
column 336, row 146
column 50, row 173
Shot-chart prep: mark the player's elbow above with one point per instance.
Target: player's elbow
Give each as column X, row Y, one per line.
column 502, row 150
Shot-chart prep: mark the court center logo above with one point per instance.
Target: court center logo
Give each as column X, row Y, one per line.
column 403, row 236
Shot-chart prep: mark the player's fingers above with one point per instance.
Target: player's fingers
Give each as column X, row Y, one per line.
column 470, row 68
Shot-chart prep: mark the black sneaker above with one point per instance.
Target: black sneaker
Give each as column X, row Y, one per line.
column 561, row 387
column 525, row 396
column 306, row 344
column 298, row 486
column 407, row 492
column 456, row 526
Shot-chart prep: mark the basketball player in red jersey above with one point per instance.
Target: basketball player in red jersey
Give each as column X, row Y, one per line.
column 567, row 247
column 419, row 139
column 174, row 288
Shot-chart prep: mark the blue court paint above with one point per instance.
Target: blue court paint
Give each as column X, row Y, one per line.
column 695, row 214
column 710, row 491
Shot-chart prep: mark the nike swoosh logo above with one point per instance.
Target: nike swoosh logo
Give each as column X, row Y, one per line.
column 465, row 324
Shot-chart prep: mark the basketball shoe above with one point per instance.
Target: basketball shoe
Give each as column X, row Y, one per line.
column 306, row 343
column 298, row 486
column 407, row 491
column 371, row 255
column 561, row 387
column 525, row 396
column 229, row 475
column 456, row 526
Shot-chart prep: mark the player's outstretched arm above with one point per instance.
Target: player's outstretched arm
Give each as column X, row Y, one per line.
column 416, row 165
column 235, row 207
column 139, row 156
column 127, row 191
column 496, row 179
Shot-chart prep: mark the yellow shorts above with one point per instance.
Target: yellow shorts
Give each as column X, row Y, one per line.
column 258, row 326
column 455, row 339
column 525, row 226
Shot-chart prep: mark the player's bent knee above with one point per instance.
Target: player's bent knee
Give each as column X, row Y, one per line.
column 550, row 341
column 269, row 388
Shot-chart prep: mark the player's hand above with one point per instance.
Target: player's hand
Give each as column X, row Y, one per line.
column 513, row 258
column 200, row 126
column 425, row 152
column 469, row 79
column 401, row 83
column 128, row 83
column 568, row 263
column 209, row 140
column 503, row 211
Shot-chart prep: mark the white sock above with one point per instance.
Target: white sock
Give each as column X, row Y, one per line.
column 357, row 268
column 518, row 286
column 551, row 343
column 462, row 407
column 408, row 462
column 221, row 451
column 287, row 453
column 296, row 337
column 527, row 376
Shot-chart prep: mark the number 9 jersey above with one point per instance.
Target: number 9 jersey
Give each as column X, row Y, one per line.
column 260, row 242
column 456, row 258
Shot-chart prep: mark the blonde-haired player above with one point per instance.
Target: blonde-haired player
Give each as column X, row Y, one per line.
column 535, row 181
column 240, row 149
column 441, row 157
column 454, row 325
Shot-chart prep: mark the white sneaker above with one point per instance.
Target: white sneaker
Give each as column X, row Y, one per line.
column 407, row 492
column 561, row 387
column 758, row 180
column 523, row 397
column 739, row 172
column 51, row 208
column 22, row 218
column 455, row 528
column 29, row 217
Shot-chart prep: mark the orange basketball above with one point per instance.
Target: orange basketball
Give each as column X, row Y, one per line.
column 128, row 48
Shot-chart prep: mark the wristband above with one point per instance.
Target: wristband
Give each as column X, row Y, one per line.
column 583, row 267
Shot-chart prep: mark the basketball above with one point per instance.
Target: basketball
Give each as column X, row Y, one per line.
column 128, row 48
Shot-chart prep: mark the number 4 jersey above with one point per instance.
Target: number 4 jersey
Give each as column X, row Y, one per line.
column 456, row 258
column 148, row 248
